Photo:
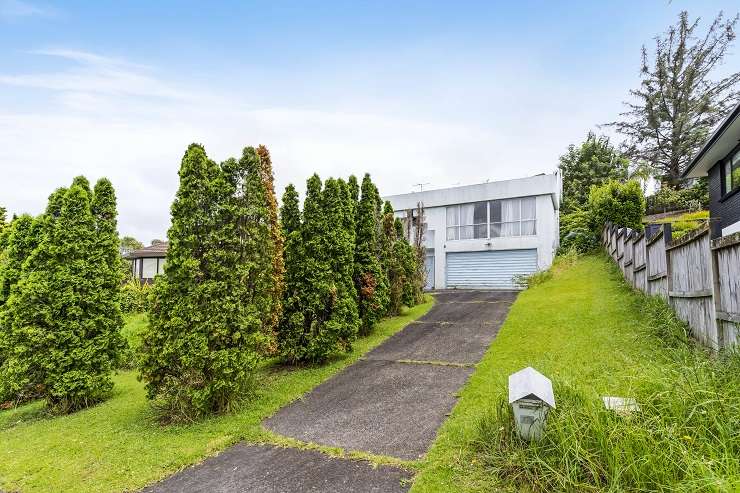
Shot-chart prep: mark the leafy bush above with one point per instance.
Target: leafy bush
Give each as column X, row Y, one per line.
column 686, row 222
column 135, row 296
column 620, row 203
column 670, row 199
column 576, row 231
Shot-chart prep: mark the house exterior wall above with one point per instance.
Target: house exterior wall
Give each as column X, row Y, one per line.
column 546, row 189
column 725, row 210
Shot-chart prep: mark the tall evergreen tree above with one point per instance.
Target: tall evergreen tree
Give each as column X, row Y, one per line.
column 277, row 240
column 370, row 280
column 22, row 240
column 64, row 343
column 678, row 101
column 320, row 313
column 213, row 308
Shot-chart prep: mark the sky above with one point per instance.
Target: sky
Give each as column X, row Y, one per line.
column 413, row 92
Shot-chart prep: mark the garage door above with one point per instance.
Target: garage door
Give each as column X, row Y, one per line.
column 489, row 269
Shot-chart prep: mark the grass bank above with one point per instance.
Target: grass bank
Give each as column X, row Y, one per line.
column 118, row 445
column 593, row 336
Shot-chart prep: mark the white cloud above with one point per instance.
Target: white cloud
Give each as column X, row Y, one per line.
column 14, row 9
column 108, row 117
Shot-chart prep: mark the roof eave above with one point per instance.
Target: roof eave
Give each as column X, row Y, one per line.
column 694, row 170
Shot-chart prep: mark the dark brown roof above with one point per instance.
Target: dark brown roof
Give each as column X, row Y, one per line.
column 152, row 251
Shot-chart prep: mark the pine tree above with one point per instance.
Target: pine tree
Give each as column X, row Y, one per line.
column 63, row 341
column 370, row 281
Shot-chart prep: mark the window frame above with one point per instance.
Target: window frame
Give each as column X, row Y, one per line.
column 724, row 164
column 490, row 224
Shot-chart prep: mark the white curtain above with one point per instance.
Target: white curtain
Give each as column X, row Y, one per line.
column 466, row 221
column 529, row 216
column 510, row 216
column 453, row 219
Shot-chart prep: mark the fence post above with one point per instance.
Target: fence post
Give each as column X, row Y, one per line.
column 716, row 293
column 667, row 239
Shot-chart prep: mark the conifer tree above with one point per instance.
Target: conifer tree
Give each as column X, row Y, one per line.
column 63, row 342
column 277, row 240
column 213, row 309
column 22, row 240
column 370, row 280
column 320, row 314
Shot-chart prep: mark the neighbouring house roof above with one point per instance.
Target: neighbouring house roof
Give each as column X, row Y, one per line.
column 724, row 138
column 543, row 184
column 152, row 251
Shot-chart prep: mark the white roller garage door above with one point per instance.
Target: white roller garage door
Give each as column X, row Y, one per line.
column 489, row 269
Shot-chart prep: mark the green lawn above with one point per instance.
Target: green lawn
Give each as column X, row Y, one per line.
column 588, row 332
column 118, row 446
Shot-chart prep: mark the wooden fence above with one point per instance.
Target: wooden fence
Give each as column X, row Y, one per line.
column 699, row 277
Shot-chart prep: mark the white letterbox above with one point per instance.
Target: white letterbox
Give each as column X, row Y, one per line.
column 531, row 397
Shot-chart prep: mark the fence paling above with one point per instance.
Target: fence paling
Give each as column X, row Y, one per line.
column 699, row 278
column 726, row 270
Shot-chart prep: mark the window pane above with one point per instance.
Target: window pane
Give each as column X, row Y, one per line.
column 736, row 170
column 510, row 210
column 529, row 208
column 480, row 216
column 495, row 230
column 466, row 214
column 529, row 228
column 466, row 232
column 452, row 233
column 728, row 176
column 510, row 229
column 452, row 216
column 481, row 230
column 149, row 268
column 495, row 211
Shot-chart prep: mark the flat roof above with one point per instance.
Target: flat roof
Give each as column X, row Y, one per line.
column 542, row 184
column 724, row 138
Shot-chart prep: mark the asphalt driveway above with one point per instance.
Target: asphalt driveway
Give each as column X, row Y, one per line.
column 391, row 403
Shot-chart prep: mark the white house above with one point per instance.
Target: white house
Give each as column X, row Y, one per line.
column 482, row 236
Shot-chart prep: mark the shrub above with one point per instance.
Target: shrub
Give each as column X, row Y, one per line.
column 620, row 203
column 212, row 311
column 576, row 231
column 135, row 296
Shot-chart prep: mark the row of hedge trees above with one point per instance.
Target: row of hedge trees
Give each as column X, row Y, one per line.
column 60, row 316
column 244, row 281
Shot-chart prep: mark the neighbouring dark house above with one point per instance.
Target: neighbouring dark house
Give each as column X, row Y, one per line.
column 147, row 262
column 720, row 160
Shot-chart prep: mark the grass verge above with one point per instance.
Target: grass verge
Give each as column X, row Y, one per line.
column 118, row 445
column 593, row 336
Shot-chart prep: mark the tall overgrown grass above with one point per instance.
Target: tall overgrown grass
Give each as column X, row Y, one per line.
column 685, row 436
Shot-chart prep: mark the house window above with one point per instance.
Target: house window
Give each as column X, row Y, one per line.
column 148, row 268
column 467, row 221
column 492, row 219
column 514, row 217
column 731, row 172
